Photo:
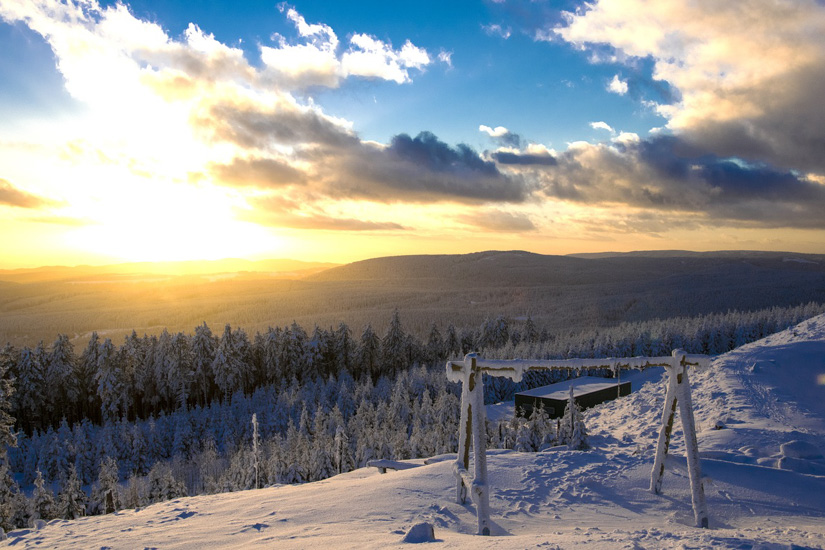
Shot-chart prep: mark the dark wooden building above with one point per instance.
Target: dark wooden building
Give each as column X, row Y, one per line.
column 588, row 391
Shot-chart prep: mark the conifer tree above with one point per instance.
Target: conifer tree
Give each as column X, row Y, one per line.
column 7, row 437
column 572, row 430
column 71, row 501
column 369, row 352
column 42, row 505
column 8, row 490
column 62, row 393
column 84, row 379
column 226, row 366
column 111, row 383
column 108, row 492
column 393, row 346
column 343, row 348
column 203, row 353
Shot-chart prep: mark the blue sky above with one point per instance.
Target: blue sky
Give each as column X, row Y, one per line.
column 407, row 127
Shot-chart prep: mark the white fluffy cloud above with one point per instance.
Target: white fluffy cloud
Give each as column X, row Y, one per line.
column 617, row 86
column 318, row 61
column 749, row 74
column 601, row 125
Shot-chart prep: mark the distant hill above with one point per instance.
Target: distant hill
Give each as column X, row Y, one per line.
column 561, row 293
column 285, row 268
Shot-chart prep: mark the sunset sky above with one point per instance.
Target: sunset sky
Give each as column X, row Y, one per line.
column 337, row 131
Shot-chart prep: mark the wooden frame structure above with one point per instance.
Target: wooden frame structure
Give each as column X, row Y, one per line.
column 472, row 425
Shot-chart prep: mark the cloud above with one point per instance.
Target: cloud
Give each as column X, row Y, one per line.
column 600, row 125
column 256, row 172
column 501, row 135
column 747, row 81
column 499, row 221
column 446, row 57
column 277, row 212
column 617, row 86
column 373, row 58
column 423, row 169
column 669, row 174
column 12, row 196
column 263, row 125
column 495, row 29
column 316, row 62
column 524, row 158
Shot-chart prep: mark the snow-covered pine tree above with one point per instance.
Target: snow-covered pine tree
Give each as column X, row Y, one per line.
column 29, row 389
column 62, row 394
column 452, row 345
column 530, row 333
column 7, row 437
column 83, row 379
column 41, row 504
column 572, row 430
column 71, row 501
column 111, row 383
column 542, row 429
column 256, row 449
column 203, row 353
column 524, row 438
column 163, row 485
column 393, row 346
column 8, row 490
column 179, row 370
column 226, row 366
column 368, row 358
column 135, row 494
column 344, row 348
column 107, row 494
column 343, row 460
column 435, row 346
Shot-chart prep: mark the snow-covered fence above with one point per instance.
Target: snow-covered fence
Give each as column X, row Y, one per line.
column 472, row 426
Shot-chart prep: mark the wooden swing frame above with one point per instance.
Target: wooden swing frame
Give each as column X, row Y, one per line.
column 472, row 424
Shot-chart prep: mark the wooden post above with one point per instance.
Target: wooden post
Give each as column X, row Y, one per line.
column 697, row 491
column 678, row 391
column 665, row 430
column 465, row 433
column 481, row 492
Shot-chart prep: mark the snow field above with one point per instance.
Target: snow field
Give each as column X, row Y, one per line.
column 763, row 480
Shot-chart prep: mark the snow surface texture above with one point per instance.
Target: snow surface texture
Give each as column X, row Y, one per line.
column 765, row 480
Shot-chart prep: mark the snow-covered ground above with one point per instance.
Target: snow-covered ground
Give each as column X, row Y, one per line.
column 765, row 480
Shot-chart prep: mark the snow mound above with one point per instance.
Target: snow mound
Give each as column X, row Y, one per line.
column 420, row 532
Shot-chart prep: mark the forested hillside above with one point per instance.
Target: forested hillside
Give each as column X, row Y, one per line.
column 560, row 293
column 172, row 414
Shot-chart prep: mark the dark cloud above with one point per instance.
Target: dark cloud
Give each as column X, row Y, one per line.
column 421, row 169
column 427, row 151
column 788, row 128
column 669, row 174
column 12, row 196
column 524, row 159
column 425, row 169
column 256, row 172
column 286, row 124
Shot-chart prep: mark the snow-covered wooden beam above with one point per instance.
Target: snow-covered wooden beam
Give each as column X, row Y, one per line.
column 472, row 425
column 515, row 369
column 678, row 392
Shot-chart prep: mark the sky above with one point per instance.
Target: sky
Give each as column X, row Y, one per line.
column 332, row 131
